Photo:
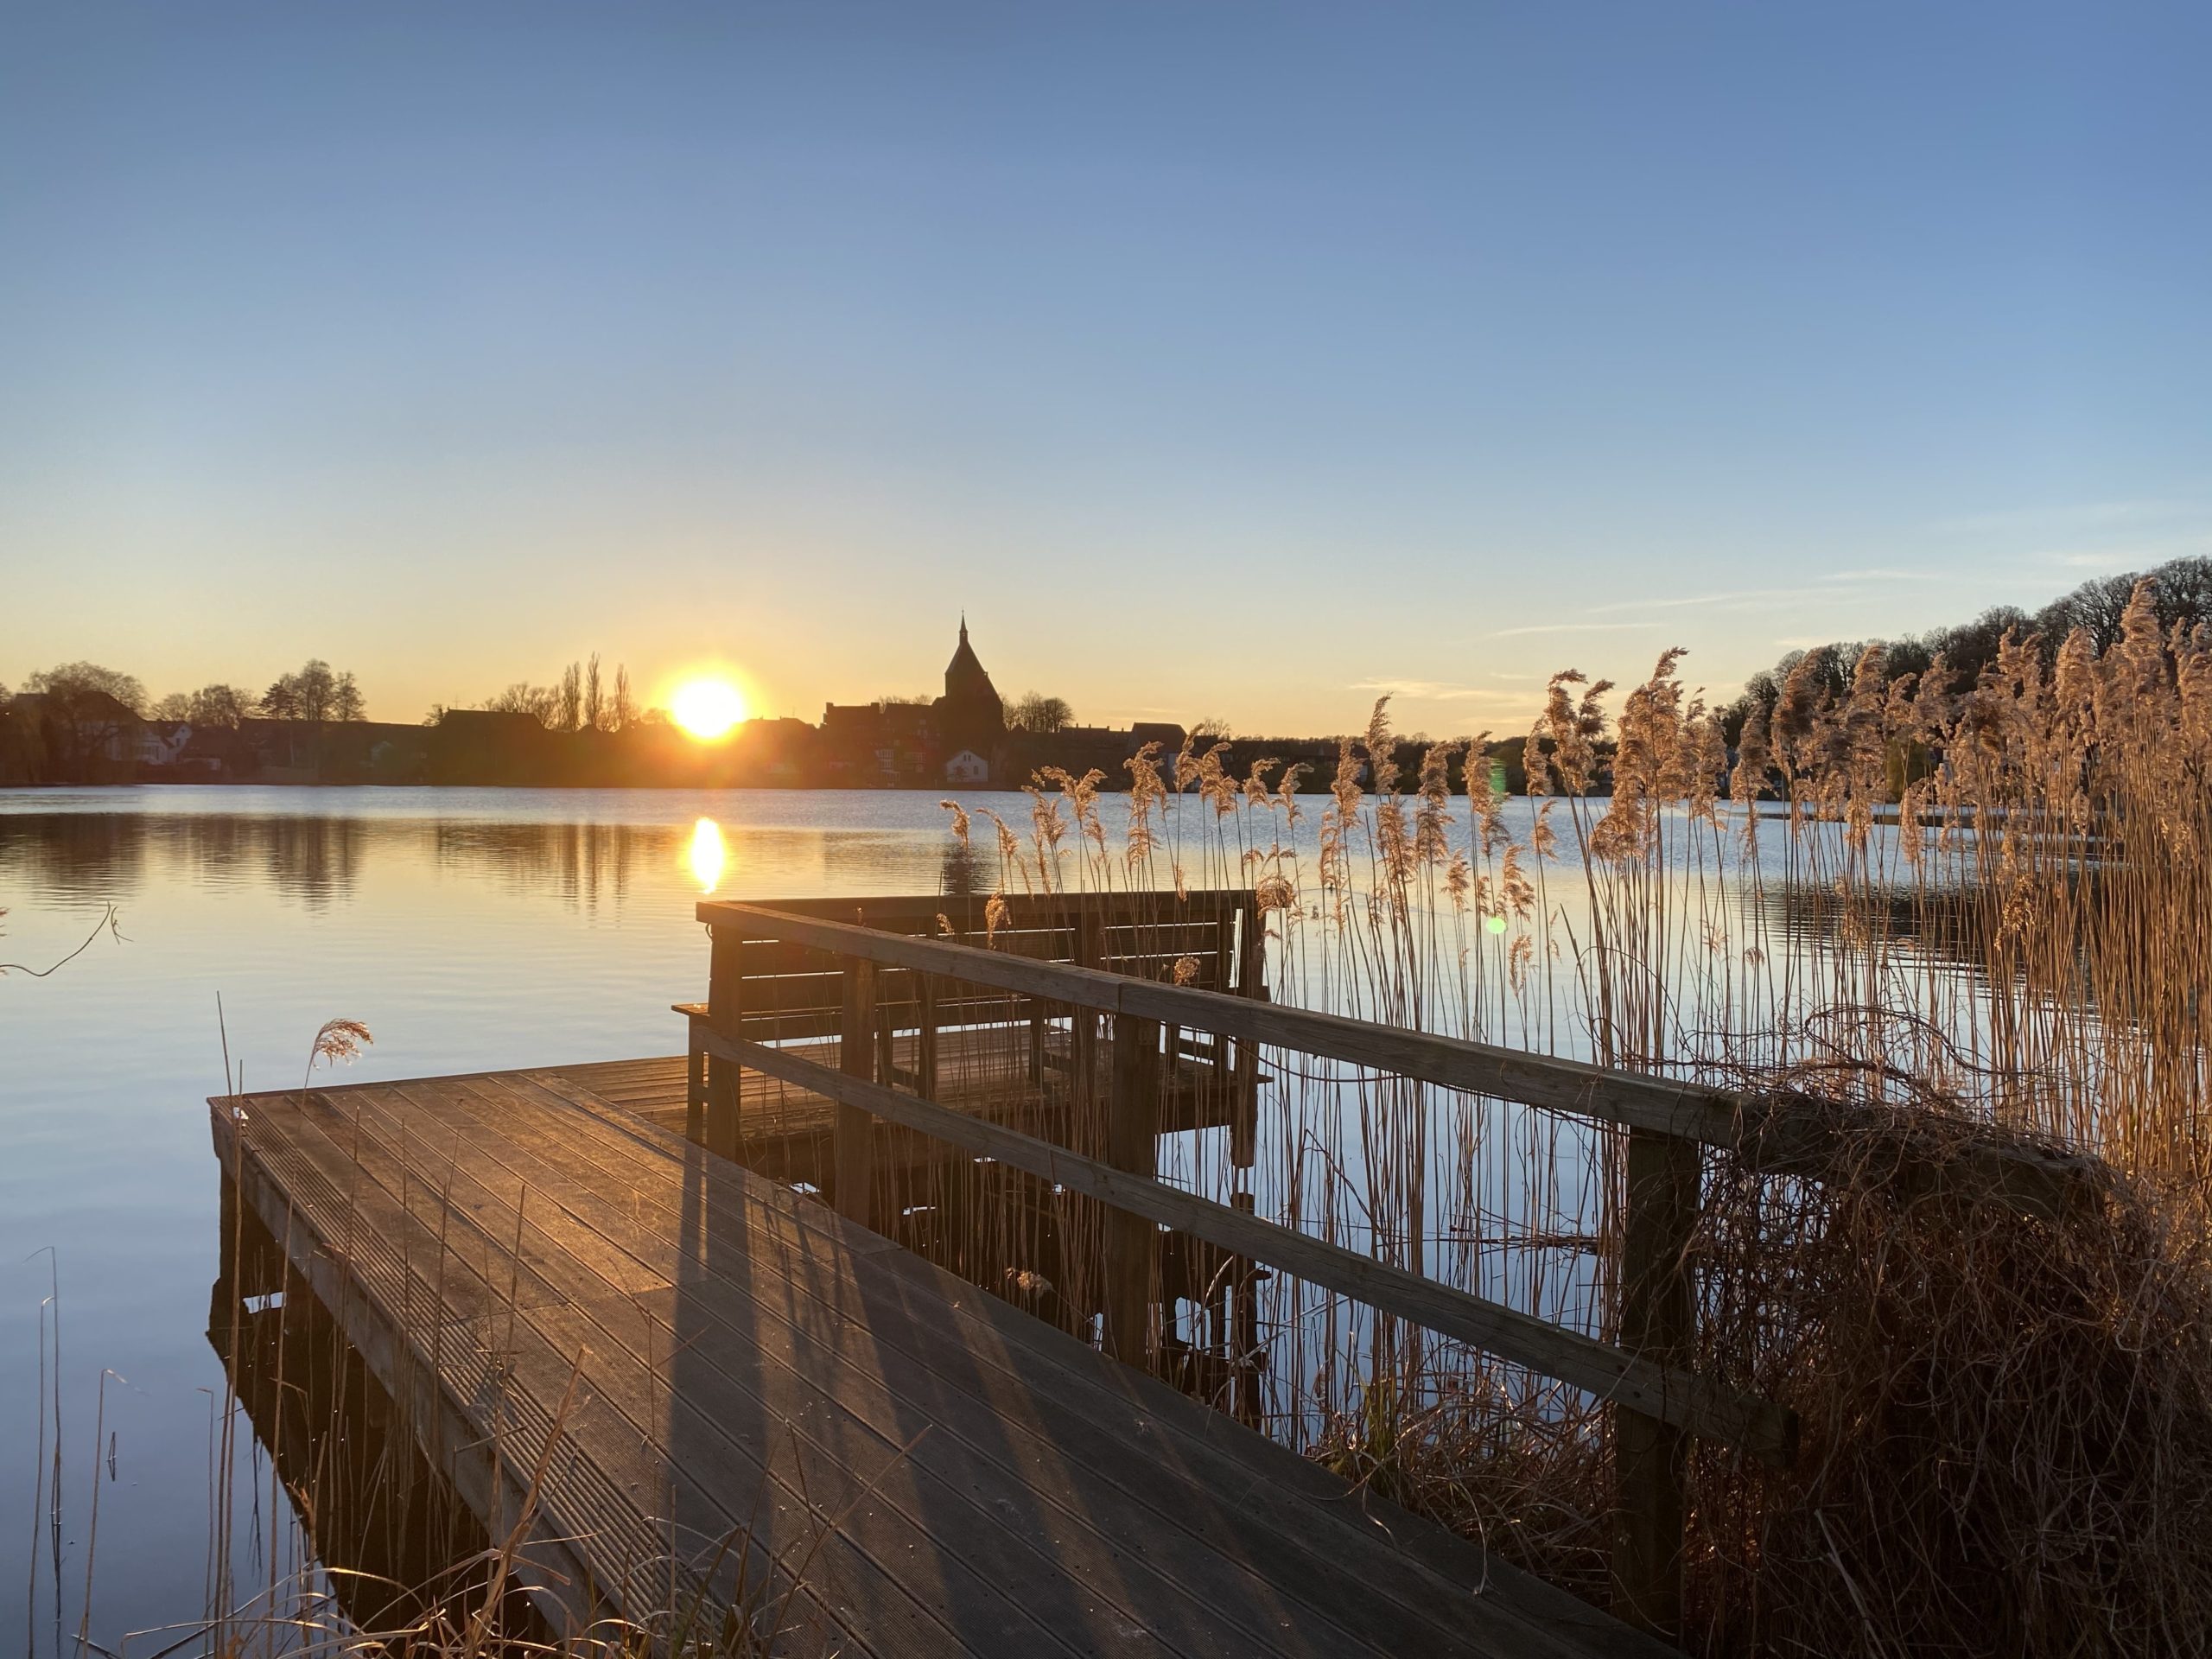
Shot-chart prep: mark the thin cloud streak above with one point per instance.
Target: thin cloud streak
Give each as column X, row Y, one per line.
column 2034, row 520
column 1737, row 597
column 1764, row 595
column 1575, row 627
column 1438, row 692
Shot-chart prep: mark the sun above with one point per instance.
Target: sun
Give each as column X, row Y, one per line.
column 707, row 707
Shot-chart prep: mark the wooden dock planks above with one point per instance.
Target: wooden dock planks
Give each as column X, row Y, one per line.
column 684, row 1353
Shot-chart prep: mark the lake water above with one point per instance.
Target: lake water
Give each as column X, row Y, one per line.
column 470, row 930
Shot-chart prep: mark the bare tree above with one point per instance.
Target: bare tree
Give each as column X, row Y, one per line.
column 312, row 693
column 581, row 700
column 90, row 711
column 541, row 702
column 1034, row 712
column 2184, row 591
column 219, row 704
column 73, row 683
column 623, row 710
column 345, row 700
column 175, row 706
column 2096, row 606
column 318, row 688
column 568, row 713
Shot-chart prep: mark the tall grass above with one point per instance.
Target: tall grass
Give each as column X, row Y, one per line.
column 1976, row 910
column 1972, row 912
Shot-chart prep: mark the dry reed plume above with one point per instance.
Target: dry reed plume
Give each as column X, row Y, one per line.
column 1975, row 912
column 1971, row 914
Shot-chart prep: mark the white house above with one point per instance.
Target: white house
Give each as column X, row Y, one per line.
column 160, row 741
column 967, row 767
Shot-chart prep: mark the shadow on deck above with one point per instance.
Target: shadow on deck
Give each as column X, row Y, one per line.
column 674, row 1376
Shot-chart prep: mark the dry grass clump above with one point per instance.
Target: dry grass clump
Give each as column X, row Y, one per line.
column 2007, row 1420
column 1531, row 1484
column 311, row 1630
column 2006, row 1424
column 1955, row 913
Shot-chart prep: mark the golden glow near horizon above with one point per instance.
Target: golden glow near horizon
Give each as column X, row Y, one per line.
column 707, row 707
column 708, row 854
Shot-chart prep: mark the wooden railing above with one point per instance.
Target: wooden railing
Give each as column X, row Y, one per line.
column 1658, row 1401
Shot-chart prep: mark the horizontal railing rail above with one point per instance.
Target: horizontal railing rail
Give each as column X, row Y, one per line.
column 1778, row 1134
column 811, row 955
column 1743, row 1421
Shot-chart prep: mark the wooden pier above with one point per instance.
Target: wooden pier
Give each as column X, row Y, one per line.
column 685, row 1326
column 708, row 1378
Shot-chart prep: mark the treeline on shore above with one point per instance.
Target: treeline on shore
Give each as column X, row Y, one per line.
column 1960, row 654
column 82, row 722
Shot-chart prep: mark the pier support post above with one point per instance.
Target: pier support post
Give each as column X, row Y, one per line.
column 1083, row 1031
column 1658, row 1321
column 695, row 1089
column 853, row 1140
column 1132, row 1144
column 725, row 978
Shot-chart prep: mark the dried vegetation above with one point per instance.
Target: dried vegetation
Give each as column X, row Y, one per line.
column 1973, row 912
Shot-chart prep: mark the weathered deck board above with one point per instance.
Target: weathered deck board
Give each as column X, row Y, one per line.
column 736, row 1359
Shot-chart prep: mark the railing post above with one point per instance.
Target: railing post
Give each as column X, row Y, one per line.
column 1658, row 1321
column 1132, row 1144
column 725, row 981
column 925, row 1038
column 853, row 1143
column 1083, row 1025
column 1251, row 982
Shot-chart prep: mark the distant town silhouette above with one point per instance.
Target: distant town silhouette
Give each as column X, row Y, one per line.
column 82, row 723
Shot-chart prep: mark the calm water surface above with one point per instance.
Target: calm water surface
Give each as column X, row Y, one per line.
column 470, row 930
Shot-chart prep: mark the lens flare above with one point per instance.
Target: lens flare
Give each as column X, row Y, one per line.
column 709, row 855
column 707, row 708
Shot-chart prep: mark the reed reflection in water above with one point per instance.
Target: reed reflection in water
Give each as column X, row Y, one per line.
column 471, row 929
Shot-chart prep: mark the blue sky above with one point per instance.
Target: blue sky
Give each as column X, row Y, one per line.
column 1222, row 361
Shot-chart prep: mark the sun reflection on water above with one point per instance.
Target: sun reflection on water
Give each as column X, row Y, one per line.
column 708, row 854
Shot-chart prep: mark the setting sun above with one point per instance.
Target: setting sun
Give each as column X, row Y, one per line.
column 707, row 708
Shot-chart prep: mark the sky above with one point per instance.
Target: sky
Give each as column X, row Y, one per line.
column 1225, row 361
